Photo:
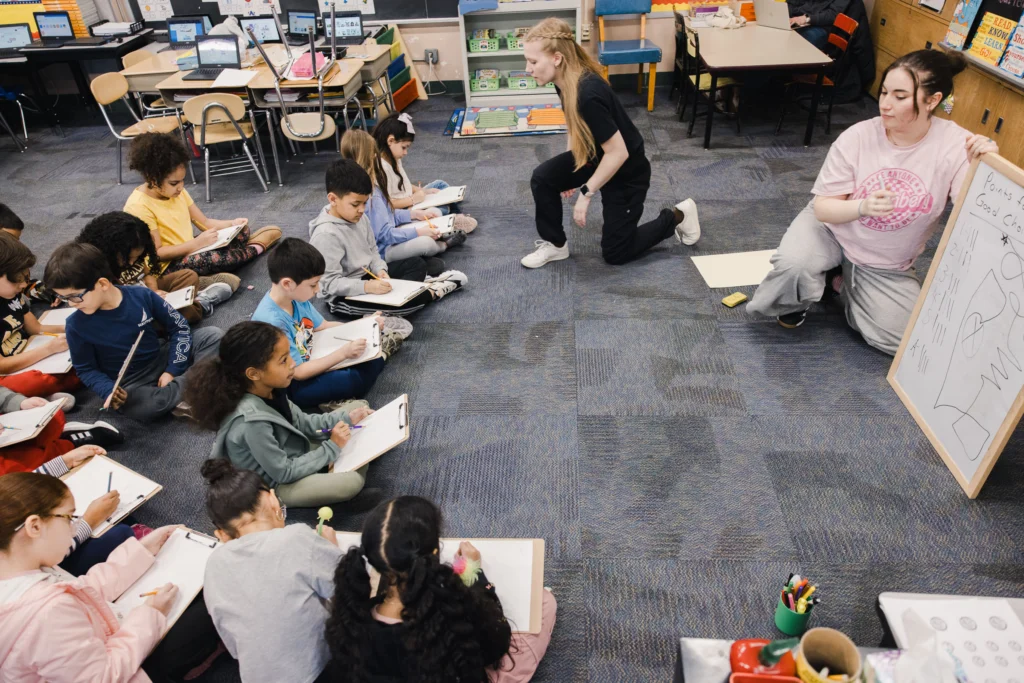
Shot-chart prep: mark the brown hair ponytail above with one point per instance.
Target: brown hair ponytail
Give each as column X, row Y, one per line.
column 25, row 494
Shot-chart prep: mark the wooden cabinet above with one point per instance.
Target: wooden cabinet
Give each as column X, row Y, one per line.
column 1007, row 126
column 976, row 99
column 923, row 33
column 882, row 62
column 889, row 25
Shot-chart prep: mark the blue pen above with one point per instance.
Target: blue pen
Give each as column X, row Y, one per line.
column 328, row 430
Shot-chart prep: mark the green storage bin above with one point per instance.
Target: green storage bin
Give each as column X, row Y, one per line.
column 401, row 78
column 484, row 45
column 484, row 84
column 388, row 37
column 521, row 82
column 512, row 42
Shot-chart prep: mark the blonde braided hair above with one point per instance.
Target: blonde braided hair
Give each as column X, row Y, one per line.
column 555, row 36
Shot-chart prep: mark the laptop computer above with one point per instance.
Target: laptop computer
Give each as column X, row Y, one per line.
column 215, row 53
column 13, row 37
column 183, row 31
column 349, row 25
column 55, row 30
column 299, row 22
column 264, row 28
column 773, row 14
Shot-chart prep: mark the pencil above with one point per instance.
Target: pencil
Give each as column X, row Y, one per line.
column 370, row 273
column 110, row 478
column 146, row 595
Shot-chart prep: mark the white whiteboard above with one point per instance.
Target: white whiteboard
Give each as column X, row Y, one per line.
column 960, row 367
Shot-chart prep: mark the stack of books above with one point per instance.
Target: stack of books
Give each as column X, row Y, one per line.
column 991, row 38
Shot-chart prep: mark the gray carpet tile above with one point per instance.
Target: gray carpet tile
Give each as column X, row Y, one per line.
column 680, row 458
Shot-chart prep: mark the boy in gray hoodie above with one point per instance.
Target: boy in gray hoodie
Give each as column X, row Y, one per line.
column 342, row 233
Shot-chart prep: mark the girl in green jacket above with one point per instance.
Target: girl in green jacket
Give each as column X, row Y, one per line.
column 242, row 394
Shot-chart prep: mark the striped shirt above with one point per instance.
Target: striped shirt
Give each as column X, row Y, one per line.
column 81, row 531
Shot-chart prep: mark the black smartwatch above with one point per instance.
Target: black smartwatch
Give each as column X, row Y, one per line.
column 586, row 192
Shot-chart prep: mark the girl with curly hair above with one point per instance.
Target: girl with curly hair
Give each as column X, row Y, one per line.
column 164, row 204
column 426, row 622
column 126, row 243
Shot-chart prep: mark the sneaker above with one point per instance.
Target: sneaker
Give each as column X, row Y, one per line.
column 454, row 238
column 182, row 410
column 348, row 404
column 791, row 321
column 465, row 223
column 230, row 279
column 390, row 342
column 545, row 253
column 446, row 283
column 266, row 237
column 100, row 433
column 69, row 400
column 217, row 293
column 397, row 325
column 688, row 229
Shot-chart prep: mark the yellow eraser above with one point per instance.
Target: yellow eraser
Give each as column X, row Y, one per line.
column 734, row 300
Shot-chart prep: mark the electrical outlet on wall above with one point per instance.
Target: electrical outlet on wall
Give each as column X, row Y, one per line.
column 585, row 30
column 431, row 56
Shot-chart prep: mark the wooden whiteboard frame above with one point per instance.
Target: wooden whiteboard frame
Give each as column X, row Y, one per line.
column 973, row 485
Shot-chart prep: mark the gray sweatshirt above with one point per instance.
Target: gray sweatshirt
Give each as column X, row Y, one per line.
column 10, row 401
column 266, row 593
column 346, row 247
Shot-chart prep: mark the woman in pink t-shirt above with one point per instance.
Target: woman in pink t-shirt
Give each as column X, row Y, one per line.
column 876, row 202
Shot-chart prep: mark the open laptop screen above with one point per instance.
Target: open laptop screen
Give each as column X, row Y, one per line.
column 14, row 36
column 217, row 51
column 185, row 30
column 300, row 22
column 54, row 25
column 264, row 28
column 350, row 25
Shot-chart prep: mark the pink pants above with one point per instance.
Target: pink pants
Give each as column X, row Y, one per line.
column 528, row 648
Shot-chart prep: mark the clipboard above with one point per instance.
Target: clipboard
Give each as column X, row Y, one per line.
column 382, row 431
column 445, row 225
column 326, row 342
column 55, row 364
column 225, row 235
column 88, row 482
column 22, row 425
column 449, row 195
column 56, row 316
column 402, row 292
column 124, row 368
column 517, row 593
column 181, row 298
column 182, row 561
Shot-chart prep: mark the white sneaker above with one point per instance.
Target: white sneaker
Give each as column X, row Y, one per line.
column 688, row 232
column 453, row 275
column 446, row 283
column 545, row 253
column 217, row 293
column 69, row 400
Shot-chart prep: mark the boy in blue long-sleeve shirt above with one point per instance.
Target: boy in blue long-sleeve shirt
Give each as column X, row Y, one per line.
column 104, row 328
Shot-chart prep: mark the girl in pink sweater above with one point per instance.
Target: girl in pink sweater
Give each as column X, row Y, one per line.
column 56, row 628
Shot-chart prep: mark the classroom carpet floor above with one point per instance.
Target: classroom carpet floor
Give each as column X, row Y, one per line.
column 679, row 458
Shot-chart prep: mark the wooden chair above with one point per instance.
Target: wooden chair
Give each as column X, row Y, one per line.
column 694, row 76
column 157, row 107
column 218, row 118
column 637, row 52
column 839, row 39
column 111, row 87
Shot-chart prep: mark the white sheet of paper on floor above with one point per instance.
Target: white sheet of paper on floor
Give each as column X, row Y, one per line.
column 444, row 224
column 182, row 561
column 57, row 364
column 386, row 428
column 224, row 237
column 449, row 195
column 985, row 635
column 181, row 298
column 734, row 270
column 89, row 481
column 326, row 342
column 22, row 425
column 56, row 316
column 402, row 291
column 515, row 566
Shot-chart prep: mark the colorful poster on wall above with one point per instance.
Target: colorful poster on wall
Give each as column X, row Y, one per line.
column 155, row 11
column 249, row 8
column 364, row 6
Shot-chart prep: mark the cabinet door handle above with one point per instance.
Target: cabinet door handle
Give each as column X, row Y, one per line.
column 999, row 124
column 984, row 117
column 882, row 22
column 928, row 45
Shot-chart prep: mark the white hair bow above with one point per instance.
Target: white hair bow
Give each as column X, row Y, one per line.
column 407, row 120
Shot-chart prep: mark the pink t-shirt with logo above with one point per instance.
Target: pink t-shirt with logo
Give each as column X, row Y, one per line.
column 922, row 175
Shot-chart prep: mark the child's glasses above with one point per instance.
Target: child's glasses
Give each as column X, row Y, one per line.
column 73, row 298
column 71, row 520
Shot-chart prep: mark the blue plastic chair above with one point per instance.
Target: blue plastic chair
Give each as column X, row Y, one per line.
column 637, row 52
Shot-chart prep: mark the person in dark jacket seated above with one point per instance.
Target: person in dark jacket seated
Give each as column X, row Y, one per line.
column 813, row 18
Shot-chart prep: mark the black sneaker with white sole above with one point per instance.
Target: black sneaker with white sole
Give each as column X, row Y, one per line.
column 792, row 321
column 99, row 433
column 454, row 238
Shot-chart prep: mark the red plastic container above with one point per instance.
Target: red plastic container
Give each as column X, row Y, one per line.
column 762, row 678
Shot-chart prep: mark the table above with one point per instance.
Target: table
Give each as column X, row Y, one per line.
column 759, row 48
column 377, row 59
column 37, row 92
column 144, row 76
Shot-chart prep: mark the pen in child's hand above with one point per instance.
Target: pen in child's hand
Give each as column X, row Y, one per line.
column 328, row 430
column 110, row 478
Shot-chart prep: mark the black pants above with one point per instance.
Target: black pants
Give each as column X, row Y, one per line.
column 187, row 644
column 622, row 238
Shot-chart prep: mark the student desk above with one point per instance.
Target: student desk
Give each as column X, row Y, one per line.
column 144, row 76
column 759, row 48
column 377, row 59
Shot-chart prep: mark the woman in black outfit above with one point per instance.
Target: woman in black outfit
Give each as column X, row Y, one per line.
column 428, row 622
column 605, row 153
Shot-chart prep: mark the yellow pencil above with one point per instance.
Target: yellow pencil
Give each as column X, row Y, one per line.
column 201, row 226
column 146, row 595
column 370, row 273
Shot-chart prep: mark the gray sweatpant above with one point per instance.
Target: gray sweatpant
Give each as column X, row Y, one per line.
column 417, row 246
column 878, row 302
column 325, row 488
column 146, row 401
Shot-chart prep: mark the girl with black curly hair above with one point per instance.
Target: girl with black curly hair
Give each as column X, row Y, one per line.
column 126, row 243
column 164, row 204
column 426, row 623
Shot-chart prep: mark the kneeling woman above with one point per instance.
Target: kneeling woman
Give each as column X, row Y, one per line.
column 876, row 202
column 605, row 154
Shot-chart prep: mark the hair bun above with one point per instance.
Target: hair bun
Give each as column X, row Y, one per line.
column 957, row 61
column 215, row 469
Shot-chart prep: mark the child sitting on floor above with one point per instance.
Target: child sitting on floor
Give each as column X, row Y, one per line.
column 343, row 235
column 295, row 271
column 395, row 243
column 242, row 394
column 163, row 203
column 110, row 321
column 394, row 135
column 14, row 226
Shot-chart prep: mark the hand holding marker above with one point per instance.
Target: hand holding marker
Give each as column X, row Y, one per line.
column 796, row 594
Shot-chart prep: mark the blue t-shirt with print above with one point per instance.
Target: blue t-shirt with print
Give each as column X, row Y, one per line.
column 298, row 326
